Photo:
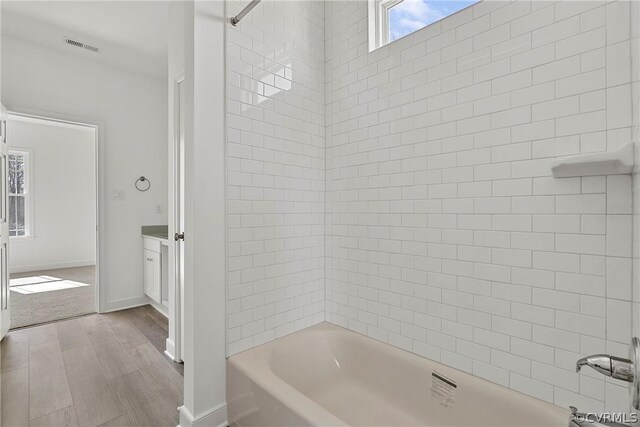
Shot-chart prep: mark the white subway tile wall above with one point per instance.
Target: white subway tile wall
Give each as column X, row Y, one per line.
column 446, row 234
column 275, row 171
column 406, row 193
column 617, row 271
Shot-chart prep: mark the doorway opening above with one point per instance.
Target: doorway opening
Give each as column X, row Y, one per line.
column 52, row 177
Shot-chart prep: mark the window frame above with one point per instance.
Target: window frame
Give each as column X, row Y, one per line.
column 379, row 21
column 27, row 154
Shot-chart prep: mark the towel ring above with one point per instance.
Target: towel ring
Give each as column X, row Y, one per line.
column 140, row 184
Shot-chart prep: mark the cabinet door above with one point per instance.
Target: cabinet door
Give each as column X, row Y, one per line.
column 152, row 279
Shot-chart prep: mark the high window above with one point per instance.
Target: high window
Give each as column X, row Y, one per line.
column 390, row 20
column 19, row 205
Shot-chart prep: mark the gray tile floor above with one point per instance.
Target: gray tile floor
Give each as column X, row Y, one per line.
column 90, row 371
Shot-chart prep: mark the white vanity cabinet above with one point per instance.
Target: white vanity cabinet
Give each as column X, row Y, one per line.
column 155, row 272
column 152, row 276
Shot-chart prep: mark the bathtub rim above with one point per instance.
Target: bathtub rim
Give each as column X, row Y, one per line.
column 255, row 364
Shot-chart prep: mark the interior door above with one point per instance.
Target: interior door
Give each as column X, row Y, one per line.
column 4, row 226
column 175, row 252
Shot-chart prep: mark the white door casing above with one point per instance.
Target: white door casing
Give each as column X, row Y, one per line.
column 175, row 342
column 180, row 214
column 100, row 190
column 4, row 226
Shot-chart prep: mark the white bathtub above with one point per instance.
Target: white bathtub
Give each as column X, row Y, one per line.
column 328, row 376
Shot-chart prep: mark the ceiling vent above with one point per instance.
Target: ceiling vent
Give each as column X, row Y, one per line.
column 81, row 45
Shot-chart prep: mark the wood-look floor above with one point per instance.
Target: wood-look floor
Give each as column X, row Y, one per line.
column 97, row 370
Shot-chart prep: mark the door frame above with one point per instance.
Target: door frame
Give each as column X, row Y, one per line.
column 174, row 342
column 100, row 185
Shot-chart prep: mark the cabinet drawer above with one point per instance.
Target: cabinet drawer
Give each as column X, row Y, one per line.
column 151, row 244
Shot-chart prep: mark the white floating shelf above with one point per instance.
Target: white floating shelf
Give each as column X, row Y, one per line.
column 617, row 162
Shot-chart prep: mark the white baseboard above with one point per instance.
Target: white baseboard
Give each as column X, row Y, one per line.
column 159, row 308
column 170, row 351
column 125, row 303
column 215, row 417
column 52, row 266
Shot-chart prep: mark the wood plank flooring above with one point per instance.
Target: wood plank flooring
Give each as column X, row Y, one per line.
column 98, row 370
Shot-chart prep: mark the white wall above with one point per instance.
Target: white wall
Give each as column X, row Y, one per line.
column 205, row 225
column 131, row 111
column 447, row 235
column 62, row 188
column 275, row 171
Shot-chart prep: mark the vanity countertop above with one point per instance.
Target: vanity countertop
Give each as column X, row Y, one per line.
column 156, row 231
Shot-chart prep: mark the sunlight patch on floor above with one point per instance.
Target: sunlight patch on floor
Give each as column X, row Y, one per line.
column 39, row 284
column 31, row 280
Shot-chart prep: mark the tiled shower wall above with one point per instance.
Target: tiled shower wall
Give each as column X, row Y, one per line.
column 635, row 76
column 275, row 171
column 446, row 234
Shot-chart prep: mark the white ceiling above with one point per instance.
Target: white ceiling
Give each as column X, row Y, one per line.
column 131, row 34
